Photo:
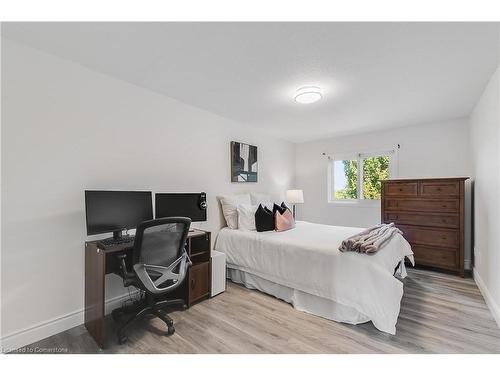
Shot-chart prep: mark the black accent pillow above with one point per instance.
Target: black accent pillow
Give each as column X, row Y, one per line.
column 283, row 205
column 264, row 219
column 280, row 209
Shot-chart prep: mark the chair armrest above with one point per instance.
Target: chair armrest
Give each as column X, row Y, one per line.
column 123, row 268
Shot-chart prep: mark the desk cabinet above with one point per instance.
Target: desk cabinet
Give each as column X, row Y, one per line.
column 197, row 282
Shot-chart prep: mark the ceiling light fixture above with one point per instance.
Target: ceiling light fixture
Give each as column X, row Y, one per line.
column 308, row 94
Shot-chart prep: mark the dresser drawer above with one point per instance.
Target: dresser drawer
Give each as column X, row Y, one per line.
column 401, row 189
column 425, row 205
column 432, row 237
column 428, row 220
column 439, row 189
column 435, row 257
column 199, row 281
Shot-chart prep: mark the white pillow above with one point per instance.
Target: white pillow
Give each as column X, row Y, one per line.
column 229, row 204
column 246, row 216
column 258, row 198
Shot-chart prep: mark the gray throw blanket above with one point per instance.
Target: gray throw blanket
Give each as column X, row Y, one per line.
column 370, row 240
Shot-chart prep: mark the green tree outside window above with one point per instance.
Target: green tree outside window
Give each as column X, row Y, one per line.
column 375, row 169
column 351, row 187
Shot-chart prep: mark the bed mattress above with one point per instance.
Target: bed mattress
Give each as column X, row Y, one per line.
column 306, row 261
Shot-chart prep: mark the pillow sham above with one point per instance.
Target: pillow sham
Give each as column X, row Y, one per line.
column 264, row 219
column 246, row 216
column 284, row 221
column 229, row 204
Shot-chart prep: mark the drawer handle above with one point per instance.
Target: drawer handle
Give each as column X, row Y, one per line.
column 400, row 189
column 438, row 189
column 443, row 237
column 444, row 206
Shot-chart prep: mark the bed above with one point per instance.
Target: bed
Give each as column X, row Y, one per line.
column 304, row 267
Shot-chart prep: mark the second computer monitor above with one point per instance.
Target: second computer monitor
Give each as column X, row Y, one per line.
column 192, row 205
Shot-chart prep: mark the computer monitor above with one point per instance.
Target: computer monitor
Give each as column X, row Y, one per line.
column 114, row 211
column 192, row 205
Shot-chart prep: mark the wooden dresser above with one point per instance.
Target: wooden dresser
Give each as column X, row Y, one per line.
column 430, row 213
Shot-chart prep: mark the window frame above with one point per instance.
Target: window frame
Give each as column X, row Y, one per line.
column 359, row 157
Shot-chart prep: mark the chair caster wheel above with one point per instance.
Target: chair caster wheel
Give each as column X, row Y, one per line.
column 122, row 339
column 171, row 330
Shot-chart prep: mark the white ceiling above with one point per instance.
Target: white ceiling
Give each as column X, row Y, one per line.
column 374, row 75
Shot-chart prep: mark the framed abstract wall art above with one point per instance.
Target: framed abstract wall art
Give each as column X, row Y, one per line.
column 243, row 162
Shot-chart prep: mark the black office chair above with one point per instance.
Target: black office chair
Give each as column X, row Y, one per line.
column 160, row 264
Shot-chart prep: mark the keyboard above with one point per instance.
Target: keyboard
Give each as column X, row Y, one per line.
column 109, row 242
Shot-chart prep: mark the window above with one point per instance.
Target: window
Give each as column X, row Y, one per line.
column 345, row 179
column 358, row 177
column 375, row 169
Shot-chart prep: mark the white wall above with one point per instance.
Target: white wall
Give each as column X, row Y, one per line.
column 66, row 129
column 430, row 150
column 485, row 134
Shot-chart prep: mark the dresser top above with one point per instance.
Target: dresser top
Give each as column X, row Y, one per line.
column 427, row 179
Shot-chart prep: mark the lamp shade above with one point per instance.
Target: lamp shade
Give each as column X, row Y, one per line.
column 294, row 196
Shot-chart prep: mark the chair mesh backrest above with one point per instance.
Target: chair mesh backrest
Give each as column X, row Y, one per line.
column 160, row 242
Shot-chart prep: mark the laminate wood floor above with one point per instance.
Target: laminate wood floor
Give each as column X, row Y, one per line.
column 439, row 314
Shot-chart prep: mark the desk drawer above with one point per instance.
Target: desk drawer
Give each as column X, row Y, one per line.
column 435, row 257
column 426, row 220
column 401, row 189
column 439, row 189
column 433, row 237
column 199, row 281
column 424, row 205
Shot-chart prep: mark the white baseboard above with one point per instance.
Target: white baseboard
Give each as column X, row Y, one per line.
column 51, row 327
column 495, row 310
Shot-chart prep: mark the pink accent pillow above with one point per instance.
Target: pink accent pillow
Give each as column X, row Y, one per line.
column 284, row 221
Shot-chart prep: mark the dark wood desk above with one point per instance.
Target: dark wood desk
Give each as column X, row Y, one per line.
column 100, row 262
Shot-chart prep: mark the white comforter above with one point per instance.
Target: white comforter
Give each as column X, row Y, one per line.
column 307, row 258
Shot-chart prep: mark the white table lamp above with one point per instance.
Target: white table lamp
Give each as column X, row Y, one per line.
column 294, row 197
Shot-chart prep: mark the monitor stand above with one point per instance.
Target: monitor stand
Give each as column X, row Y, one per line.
column 117, row 234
